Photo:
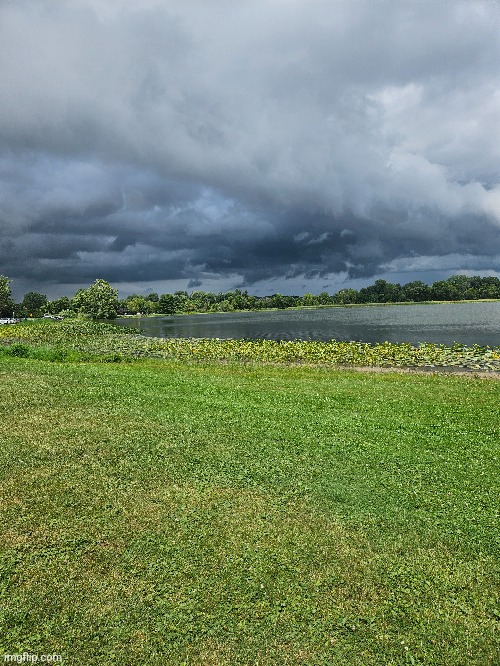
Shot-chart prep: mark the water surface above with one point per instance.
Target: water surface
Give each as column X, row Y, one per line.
column 468, row 323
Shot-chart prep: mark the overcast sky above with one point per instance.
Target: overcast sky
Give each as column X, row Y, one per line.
column 274, row 145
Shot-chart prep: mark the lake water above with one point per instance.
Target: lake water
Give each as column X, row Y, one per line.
column 468, row 323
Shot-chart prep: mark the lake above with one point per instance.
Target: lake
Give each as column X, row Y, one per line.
column 468, row 323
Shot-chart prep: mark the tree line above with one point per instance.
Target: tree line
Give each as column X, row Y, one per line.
column 100, row 300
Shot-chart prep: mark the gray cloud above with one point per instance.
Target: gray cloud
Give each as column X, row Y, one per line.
column 258, row 143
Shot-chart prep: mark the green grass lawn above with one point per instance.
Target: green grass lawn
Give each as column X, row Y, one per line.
column 158, row 512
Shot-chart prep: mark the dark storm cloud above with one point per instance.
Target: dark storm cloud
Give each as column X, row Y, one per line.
column 254, row 141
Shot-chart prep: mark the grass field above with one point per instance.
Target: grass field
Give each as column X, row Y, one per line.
column 158, row 512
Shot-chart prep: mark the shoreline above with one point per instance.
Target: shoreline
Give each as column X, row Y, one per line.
column 306, row 307
column 83, row 340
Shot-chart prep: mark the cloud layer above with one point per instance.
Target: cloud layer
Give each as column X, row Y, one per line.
column 264, row 142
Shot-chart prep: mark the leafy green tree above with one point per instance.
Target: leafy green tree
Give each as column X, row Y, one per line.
column 135, row 303
column 460, row 284
column 58, row 305
column 166, row 304
column 309, row 299
column 203, row 300
column 99, row 301
column 194, row 303
column 346, row 297
column 6, row 302
column 181, row 298
column 278, row 301
column 442, row 290
column 18, row 311
column 416, row 291
column 324, row 298
column 79, row 300
column 144, row 304
column 252, row 303
column 34, row 304
column 457, row 288
column 151, row 307
column 225, row 306
column 474, row 289
column 489, row 287
column 381, row 292
column 238, row 299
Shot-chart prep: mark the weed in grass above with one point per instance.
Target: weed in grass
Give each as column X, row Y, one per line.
column 18, row 349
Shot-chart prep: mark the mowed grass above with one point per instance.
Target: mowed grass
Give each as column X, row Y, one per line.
column 165, row 513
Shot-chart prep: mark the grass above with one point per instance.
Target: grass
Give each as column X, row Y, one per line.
column 160, row 512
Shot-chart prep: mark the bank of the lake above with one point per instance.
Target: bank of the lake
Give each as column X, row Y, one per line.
column 85, row 340
column 329, row 305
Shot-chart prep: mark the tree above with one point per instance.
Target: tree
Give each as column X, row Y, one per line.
column 166, row 304
column 309, row 299
column 225, row 306
column 346, row 297
column 381, row 292
column 99, row 301
column 443, row 291
column 6, row 302
column 417, row 291
column 34, row 304
column 135, row 304
column 489, row 287
column 60, row 304
column 278, row 301
column 239, row 299
column 324, row 298
column 181, row 297
column 460, row 285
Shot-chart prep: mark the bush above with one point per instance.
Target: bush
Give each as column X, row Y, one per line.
column 52, row 354
column 112, row 358
column 67, row 314
column 19, row 349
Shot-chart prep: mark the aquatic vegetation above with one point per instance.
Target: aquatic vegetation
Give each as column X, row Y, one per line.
column 108, row 342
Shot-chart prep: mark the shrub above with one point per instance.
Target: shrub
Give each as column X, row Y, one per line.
column 19, row 349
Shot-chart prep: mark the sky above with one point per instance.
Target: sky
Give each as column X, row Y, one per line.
column 283, row 146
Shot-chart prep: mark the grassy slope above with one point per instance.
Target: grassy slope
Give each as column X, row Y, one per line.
column 159, row 513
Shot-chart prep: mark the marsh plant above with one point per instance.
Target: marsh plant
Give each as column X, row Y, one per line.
column 105, row 341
